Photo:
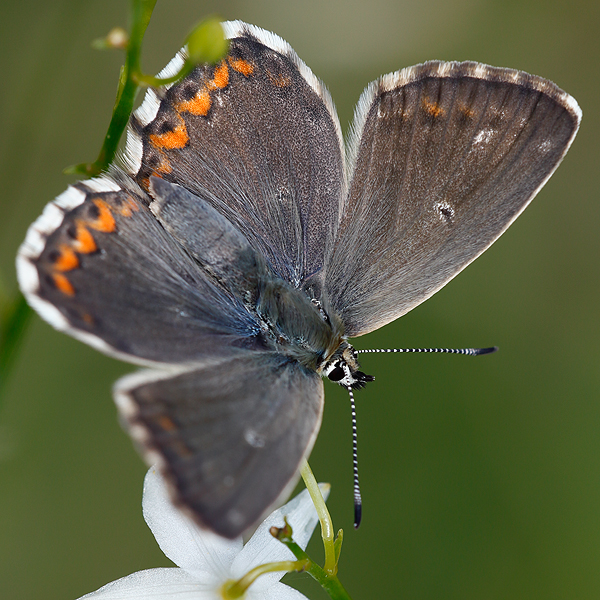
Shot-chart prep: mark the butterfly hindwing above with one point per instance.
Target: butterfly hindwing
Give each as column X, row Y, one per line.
column 221, row 250
column 229, row 435
column 444, row 157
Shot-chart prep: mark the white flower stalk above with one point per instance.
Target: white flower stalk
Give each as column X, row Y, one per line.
column 206, row 561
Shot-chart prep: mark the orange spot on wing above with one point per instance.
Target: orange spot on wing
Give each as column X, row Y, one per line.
column 84, row 241
column 241, row 66
column 166, row 423
column 279, row 80
column 67, row 261
column 467, row 111
column 63, row 284
column 87, row 318
column 198, row 105
column 105, row 221
column 128, row 207
column 221, row 76
column 165, row 166
column 433, row 108
column 181, row 449
column 177, row 138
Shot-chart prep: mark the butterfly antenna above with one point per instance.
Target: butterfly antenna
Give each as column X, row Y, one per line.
column 357, row 496
column 467, row 351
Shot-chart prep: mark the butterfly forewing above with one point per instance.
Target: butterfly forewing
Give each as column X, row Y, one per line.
column 258, row 138
column 98, row 265
column 446, row 156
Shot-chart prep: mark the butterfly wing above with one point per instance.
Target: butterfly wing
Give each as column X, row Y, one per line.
column 98, row 265
column 228, row 420
column 444, row 157
column 229, row 436
column 258, row 138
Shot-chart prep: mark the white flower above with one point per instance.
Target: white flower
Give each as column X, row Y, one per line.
column 205, row 560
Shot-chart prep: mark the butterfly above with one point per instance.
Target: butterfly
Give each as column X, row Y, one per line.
column 239, row 244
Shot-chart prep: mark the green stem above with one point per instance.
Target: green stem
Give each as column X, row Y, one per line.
column 141, row 11
column 12, row 326
column 236, row 589
column 328, row 581
column 324, row 518
column 151, row 81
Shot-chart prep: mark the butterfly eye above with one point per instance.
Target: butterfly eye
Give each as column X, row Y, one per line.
column 336, row 374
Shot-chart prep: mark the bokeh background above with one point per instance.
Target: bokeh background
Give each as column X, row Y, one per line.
column 480, row 477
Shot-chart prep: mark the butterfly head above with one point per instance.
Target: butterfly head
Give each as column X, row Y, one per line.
column 343, row 368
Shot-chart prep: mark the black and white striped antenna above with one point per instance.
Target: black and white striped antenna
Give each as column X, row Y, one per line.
column 464, row 351
column 357, row 496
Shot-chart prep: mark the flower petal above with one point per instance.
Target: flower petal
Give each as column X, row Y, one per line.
column 263, row 548
column 200, row 552
column 278, row 591
column 155, row 584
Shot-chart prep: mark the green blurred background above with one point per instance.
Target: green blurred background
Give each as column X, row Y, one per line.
column 480, row 477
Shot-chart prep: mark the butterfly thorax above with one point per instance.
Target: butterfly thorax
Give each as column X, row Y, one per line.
column 299, row 327
column 294, row 325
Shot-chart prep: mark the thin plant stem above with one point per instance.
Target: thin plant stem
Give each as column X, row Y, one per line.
column 329, row 582
column 129, row 84
column 13, row 324
column 237, row 589
column 324, row 518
